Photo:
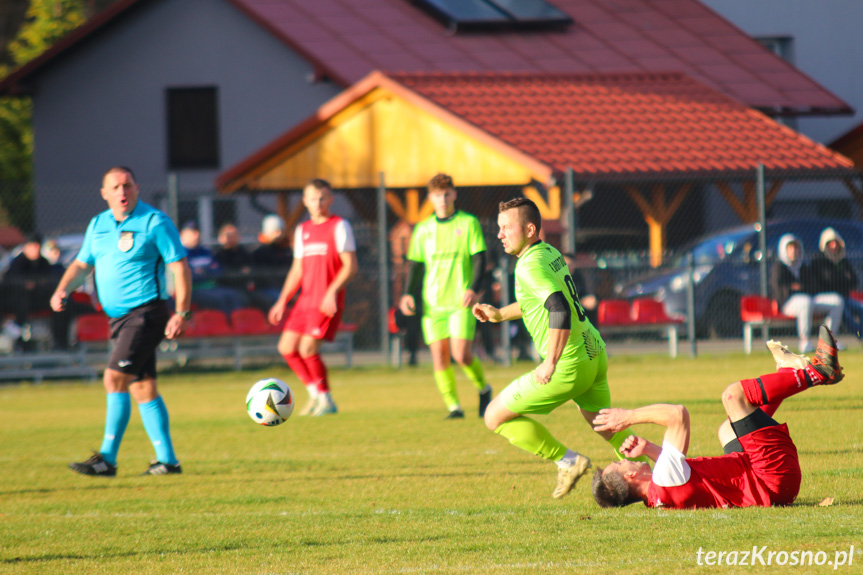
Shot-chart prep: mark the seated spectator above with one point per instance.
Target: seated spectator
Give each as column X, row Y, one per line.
column 830, row 271
column 789, row 287
column 235, row 259
column 271, row 262
column 205, row 271
column 29, row 284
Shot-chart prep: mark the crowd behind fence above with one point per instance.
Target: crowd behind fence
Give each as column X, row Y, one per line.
column 715, row 225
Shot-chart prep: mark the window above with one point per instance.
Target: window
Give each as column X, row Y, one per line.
column 782, row 46
column 495, row 14
column 193, row 128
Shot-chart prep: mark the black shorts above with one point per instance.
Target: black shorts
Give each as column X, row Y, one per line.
column 135, row 337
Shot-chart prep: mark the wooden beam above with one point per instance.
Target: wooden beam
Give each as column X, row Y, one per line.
column 856, row 192
column 732, row 199
column 549, row 210
column 658, row 213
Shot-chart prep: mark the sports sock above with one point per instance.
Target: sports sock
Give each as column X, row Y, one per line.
column 116, row 419
column 475, row 374
column 154, row 414
column 617, row 440
column 568, row 459
column 317, row 372
column 298, row 366
column 533, row 437
column 445, row 381
column 774, row 387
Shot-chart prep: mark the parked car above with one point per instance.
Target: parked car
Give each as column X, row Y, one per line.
column 727, row 266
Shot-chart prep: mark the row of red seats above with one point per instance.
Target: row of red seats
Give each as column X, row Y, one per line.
column 642, row 311
column 755, row 308
column 205, row 323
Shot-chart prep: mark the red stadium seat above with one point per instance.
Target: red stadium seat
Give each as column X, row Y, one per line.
column 251, row 321
column 614, row 312
column 648, row 310
column 761, row 312
column 208, row 323
column 93, row 327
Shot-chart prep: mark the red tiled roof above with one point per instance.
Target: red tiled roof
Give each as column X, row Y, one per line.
column 621, row 123
column 347, row 39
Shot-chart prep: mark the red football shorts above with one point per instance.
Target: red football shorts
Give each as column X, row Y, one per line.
column 774, row 461
column 310, row 321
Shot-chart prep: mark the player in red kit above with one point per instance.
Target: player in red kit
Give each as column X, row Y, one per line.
column 325, row 260
column 760, row 467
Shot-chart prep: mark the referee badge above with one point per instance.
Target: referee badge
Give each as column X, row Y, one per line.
column 127, row 241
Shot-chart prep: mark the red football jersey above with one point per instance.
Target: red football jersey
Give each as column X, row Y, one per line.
column 319, row 246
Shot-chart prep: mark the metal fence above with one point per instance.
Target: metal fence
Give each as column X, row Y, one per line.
column 632, row 237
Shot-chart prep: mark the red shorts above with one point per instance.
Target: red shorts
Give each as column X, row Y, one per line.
column 774, row 461
column 310, row 321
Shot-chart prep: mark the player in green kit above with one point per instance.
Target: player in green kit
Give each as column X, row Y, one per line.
column 574, row 366
column 447, row 254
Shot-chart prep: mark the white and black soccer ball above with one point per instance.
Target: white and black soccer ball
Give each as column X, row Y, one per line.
column 270, row 402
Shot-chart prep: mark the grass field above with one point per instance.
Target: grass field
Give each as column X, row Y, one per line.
column 387, row 486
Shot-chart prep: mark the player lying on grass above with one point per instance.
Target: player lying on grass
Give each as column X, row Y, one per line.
column 760, row 467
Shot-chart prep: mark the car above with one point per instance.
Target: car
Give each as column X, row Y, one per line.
column 727, row 266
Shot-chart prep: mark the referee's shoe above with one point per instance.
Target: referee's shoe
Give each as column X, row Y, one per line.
column 96, row 465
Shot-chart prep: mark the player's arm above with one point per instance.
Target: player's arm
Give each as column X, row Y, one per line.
column 675, row 419
column 182, row 297
column 407, row 303
column 329, row 307
column 289, row 289
column 485, row 312
column 559, row 327
column 73, row 278
column 472, row 293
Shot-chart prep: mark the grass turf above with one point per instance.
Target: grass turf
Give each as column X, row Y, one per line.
column 388, row 486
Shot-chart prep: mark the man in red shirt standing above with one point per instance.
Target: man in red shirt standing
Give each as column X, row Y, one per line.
column 760, row 467
column 325, row 260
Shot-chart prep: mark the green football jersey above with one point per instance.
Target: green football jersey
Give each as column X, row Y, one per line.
column 540, row 272
column 446, row 248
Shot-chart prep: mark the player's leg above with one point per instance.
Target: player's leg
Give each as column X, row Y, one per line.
column 505, row 416
column 310, row 352
column 463, row 329
column 833, row 305
column 799, row 305
column 437, row 334
column 289, row 349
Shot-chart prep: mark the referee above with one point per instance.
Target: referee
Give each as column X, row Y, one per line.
column 129, row 245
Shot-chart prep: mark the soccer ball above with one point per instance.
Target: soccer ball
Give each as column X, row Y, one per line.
column 270, row 402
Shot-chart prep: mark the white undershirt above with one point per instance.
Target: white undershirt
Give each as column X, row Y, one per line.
column 671, row 468
column 343, row 235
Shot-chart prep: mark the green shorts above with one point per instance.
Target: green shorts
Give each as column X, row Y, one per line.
column 459, row 324
column 582, row 380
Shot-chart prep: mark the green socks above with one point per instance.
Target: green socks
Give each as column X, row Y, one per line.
column 475, row 374
column 445, row 381
column 533, row 437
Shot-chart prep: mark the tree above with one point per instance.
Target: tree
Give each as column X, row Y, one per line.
column 46, row 22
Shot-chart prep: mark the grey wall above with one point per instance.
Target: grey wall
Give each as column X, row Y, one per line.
column 828, row 47
column 104, row 103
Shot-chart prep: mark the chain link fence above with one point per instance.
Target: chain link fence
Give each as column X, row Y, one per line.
column 632, row 238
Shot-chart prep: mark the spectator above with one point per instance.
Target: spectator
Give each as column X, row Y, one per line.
column 271, row 261
column 234, row 259
column 205, row 270
column 787, row 279
column 830, row 271
column 30, row 282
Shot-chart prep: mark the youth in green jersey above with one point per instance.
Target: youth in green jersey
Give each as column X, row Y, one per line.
column 448, row 251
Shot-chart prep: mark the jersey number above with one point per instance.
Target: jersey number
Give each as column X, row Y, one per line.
column 570, row 285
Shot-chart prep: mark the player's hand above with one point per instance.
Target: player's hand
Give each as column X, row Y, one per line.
column 59, row 299
column 485, row 312
column 612, row 419
column 176, row 326
column 633, row 446
column 277, row 312
column 543, row 372
column 328, row 305
column 407, row 305
column 469, row 298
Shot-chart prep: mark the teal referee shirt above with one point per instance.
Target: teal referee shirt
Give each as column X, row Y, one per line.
column 130, row 257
